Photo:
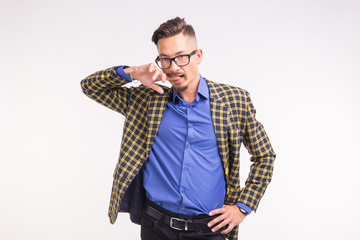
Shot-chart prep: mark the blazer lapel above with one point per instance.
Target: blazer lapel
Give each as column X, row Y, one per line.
column 219, row 113
column 156, row 107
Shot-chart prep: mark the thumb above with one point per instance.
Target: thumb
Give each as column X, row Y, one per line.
column 156, row 88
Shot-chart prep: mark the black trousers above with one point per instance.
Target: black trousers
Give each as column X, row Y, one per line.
column 155, row 229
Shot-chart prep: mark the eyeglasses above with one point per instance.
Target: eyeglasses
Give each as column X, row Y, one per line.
column 180, row 60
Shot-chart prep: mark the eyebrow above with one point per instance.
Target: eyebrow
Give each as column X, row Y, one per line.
column 176, row 54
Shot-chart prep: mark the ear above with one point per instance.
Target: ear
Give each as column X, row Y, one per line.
column 199, row 54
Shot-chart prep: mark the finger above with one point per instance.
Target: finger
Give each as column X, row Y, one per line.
column 151, row 67
column 163, row 77
column 217, row 211
column 228, row 229
column 220, row 225
column 157, row 88
column 216, row 220
column 156, row 74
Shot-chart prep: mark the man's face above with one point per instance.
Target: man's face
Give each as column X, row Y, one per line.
column 181, row 78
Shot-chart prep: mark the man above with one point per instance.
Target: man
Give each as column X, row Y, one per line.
column 178, row 169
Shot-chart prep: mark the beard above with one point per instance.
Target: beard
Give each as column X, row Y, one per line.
column 180, row 88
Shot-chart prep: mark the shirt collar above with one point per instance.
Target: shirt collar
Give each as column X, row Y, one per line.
column 202, row 90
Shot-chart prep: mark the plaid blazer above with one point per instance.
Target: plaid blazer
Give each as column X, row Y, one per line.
column 234, row 122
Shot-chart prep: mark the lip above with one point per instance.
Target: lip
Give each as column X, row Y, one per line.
column 175, row 79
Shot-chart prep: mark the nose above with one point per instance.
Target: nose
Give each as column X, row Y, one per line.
column 173, row 67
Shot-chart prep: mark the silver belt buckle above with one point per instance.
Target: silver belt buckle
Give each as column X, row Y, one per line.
column 180, row 220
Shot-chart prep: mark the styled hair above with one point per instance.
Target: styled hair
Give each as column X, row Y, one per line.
column 173, row 27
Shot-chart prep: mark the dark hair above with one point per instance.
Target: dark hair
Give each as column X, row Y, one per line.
column 173, row 27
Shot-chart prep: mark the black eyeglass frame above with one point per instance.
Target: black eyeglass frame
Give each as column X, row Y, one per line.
column 173, row 59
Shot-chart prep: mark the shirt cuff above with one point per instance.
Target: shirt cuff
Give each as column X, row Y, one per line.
column 243, row 206
column 120, row 72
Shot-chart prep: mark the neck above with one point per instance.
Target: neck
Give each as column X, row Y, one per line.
column 189, row 94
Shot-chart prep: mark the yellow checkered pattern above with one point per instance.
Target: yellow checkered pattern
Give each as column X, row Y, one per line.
column 234, row 122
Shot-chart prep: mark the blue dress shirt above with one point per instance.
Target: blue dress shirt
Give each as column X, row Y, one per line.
column 184, row 173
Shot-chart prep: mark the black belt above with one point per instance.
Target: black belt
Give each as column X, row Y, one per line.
column 177, row 223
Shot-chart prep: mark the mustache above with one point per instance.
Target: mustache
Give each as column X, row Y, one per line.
column 174, row 74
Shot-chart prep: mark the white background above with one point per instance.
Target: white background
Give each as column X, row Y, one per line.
column 300, row 60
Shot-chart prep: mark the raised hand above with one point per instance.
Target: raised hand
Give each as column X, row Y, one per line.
column 147, row 74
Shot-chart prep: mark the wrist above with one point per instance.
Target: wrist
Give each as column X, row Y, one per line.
column 243, row 211
column 131, row 72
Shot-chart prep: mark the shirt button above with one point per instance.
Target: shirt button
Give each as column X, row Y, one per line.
column 190, row 125
column 188, row 145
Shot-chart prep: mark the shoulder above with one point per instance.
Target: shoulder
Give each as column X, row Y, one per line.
column 226, row 91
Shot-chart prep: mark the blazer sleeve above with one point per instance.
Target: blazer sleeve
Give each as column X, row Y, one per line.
column 258, row 144
column 105, row 87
